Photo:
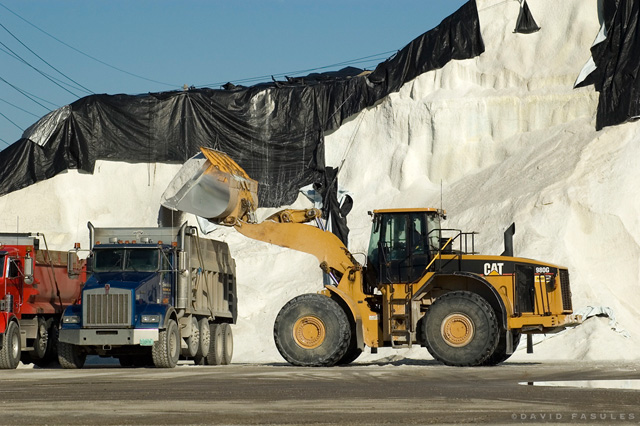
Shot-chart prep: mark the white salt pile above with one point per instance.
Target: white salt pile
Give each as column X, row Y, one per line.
column 506, row 136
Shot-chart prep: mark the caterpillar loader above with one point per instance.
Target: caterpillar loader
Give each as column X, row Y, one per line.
column 422, row 284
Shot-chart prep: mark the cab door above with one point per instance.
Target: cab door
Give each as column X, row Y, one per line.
column 398, row 248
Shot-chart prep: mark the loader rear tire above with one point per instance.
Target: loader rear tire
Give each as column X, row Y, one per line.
column 166, row 351
column 461, row 329
column 312, row 330
column 10, row 352
column 71, row 356
column 500, row 354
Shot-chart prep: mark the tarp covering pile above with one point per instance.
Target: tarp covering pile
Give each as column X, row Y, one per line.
column 274, row 131
column 525, row 23
column 615, row 64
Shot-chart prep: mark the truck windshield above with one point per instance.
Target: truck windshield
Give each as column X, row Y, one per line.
column 125, row 259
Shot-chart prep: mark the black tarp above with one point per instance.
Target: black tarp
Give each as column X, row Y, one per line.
column 332, row 209
column 274, row 131
column 525, row 23
column 617, row 60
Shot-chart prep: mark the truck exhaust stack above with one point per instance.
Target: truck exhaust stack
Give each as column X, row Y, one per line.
column 213, row 186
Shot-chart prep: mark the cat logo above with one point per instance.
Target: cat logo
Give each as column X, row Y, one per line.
column 493, row 268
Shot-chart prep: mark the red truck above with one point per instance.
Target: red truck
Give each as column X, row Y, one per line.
column 36, row 285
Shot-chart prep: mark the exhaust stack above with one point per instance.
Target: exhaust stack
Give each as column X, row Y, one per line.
column 508, row 240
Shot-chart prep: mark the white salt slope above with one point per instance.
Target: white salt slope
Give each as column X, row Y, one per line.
column 507, row 136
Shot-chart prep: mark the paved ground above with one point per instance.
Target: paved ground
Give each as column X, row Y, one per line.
column 411, row 392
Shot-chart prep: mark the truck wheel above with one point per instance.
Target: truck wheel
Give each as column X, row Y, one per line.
column 500, row 354
column 41, row 342
column 166, row 350
column 71, row 356
column 205, row 342
column 216, row 346
column 193, row 341
column 227, row 344
column 460, row 329
column 312, row 330
column 51, row 354
column 10, row 352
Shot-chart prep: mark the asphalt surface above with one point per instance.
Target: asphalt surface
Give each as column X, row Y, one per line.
column 408, row 392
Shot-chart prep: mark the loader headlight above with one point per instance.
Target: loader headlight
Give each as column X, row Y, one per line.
column 150, row 319
column 71, row 319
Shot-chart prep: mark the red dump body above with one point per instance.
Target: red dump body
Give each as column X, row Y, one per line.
column 51, row 288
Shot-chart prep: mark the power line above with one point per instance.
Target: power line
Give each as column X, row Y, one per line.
column 28, row 95
column 39, row 57
column 38, row 71
column 11, row 121
column 44, row 73
column 363, row 60
column 86, row 54
column 17, row 107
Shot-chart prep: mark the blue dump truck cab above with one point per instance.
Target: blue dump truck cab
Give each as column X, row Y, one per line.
column 154, row 296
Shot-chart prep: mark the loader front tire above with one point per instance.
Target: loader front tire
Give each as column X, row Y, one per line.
column 460, row 329
column 500, row 354
column 312, row 330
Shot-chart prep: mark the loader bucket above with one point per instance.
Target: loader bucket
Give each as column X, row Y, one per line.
column 212, row 185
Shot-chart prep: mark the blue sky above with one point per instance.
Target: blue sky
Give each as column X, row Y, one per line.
column 140, row 46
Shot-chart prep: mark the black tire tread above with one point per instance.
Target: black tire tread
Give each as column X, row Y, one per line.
column 8, row 360
column 315, row 304
column 70, row 356
column 160, row 350
column 449, row 301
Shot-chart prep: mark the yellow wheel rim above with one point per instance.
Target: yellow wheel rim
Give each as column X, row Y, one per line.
column 457, row 330
column 309, row 332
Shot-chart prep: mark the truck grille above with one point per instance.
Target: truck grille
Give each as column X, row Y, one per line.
column 566, row 290
column 102, row 309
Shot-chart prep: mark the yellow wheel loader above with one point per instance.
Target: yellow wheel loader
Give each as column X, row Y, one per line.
column 422, row 284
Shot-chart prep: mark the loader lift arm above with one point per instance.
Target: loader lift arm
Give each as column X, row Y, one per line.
column 213, row 186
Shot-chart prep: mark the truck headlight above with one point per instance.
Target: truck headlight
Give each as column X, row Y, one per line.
column 150, row 318
column 71, row 319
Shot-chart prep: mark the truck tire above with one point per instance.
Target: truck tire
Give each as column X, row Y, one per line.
column 10, row 352
column 205, row 342
column 193, row 341
column 166, row 350
column 312, row 330
column 216, row 346
column 460, row 329
column 50, row 355
column 500, row 354
column 41, row 342
column 227, row 343
column 71, row 356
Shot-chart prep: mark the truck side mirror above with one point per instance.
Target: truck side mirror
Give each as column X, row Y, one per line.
column 28, row 269
column 74, row 265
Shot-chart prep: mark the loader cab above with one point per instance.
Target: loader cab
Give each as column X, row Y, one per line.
column 402, row 244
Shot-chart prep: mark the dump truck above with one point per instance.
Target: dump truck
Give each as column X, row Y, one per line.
column 154, row 296
column 422, row 284
column 36, row 286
